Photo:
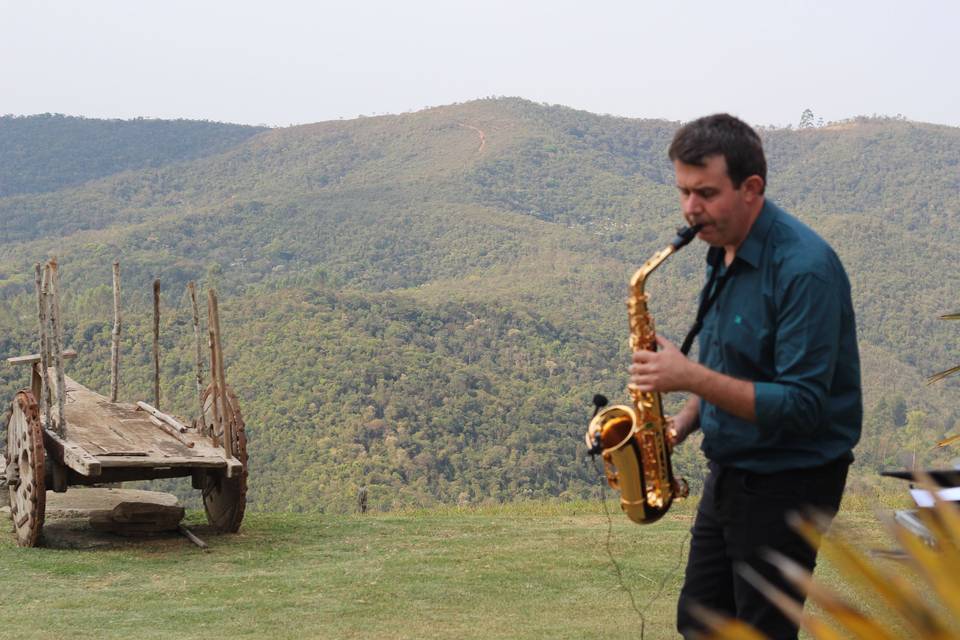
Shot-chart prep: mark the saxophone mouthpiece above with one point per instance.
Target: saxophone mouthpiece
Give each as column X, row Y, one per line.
column 685, row 235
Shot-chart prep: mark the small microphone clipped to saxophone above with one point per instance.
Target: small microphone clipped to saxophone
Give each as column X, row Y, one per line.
column 632, row 439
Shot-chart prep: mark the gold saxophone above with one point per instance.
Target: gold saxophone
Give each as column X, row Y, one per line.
column 632, row 440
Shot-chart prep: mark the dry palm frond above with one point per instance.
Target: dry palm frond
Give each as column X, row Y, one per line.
column 937, row 377
column 939, row 567
column 949, row 372
column 894, row 590
column 944, row 522
column 850, row 619
column 724, row 628
column 790, row 607
column 949, row 440
column 933, row 614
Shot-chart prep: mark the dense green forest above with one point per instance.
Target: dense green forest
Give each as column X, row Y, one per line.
column 424, row 304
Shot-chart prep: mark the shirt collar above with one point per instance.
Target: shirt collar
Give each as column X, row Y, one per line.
column 752, row 248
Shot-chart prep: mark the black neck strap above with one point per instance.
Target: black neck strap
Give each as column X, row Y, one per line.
column 711, row 291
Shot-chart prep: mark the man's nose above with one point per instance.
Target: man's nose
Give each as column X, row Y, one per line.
column 692, row 204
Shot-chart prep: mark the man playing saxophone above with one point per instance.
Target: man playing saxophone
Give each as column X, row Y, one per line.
column 776, row 391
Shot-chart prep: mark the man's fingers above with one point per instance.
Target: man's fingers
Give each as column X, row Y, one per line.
column 643, row 355
column 673, row 436
column 643, row 368
column 664, row 344
column 641, row 383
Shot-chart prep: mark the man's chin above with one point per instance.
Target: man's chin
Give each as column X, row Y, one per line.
column 707, row 235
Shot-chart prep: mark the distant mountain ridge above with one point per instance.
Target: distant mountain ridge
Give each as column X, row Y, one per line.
column 52, row 151
column 468, row 259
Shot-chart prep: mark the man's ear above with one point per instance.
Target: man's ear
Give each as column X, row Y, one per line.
column 753, row 187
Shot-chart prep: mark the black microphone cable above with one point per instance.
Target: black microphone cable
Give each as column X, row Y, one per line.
column 599, row 402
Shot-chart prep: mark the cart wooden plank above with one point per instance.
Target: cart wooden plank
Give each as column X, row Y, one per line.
column 102, row 434
column 72, row 455
column 154, row 463
column 34, row 358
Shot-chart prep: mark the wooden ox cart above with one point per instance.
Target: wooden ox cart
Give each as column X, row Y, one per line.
column 62, row 434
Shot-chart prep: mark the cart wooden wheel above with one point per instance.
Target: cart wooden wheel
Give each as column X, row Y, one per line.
column 25, row 469
column 224, row 499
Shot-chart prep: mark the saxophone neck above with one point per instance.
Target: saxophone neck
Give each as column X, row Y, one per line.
column 640, row 276
column 684, row 236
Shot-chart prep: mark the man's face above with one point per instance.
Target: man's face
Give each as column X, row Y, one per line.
column 708, row 197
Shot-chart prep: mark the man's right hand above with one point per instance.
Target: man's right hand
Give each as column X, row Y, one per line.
column 684, row 423
column 675, row 434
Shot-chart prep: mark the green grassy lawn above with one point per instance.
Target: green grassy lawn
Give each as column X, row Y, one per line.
column 530, row 570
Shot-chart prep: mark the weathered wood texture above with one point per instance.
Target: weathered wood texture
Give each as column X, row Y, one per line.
column 26, row 472
column 70, row 455
column 156, row 343
column 199, row 345
column 123, row 511
column 224, row 499
column 4, row 493
column 170, row 430
column 34, row 358
column 214, row 425
column 226, row 413
column 193, row 538
column 166, row 422
column 104, row 434
column 131, row 518
column 56, row 351
column 163, row 417
column 41, row 390
column 115, row 336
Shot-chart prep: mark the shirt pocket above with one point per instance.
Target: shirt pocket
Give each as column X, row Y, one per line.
column 749, row 345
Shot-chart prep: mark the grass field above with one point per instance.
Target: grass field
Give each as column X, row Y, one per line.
column 529, row 570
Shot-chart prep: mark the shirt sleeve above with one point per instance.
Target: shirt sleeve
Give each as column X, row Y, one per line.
column 807, row 340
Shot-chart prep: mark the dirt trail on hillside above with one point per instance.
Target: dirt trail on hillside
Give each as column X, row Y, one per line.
column 483, row 136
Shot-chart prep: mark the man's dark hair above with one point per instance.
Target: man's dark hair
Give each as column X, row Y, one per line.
column 721, row 134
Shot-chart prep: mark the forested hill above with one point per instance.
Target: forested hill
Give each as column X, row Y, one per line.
column 52, row 151
column 425, row 303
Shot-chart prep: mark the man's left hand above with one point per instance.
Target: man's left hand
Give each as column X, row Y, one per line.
column 664, row 370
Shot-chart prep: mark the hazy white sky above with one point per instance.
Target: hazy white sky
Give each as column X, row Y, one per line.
column 289, row 61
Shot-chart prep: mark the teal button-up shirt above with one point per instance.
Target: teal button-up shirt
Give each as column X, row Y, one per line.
column 784, row 321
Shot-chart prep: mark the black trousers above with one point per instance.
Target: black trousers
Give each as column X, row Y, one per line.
column 741, row 514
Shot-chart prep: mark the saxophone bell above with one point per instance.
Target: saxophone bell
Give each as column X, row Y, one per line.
column 622, row 449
